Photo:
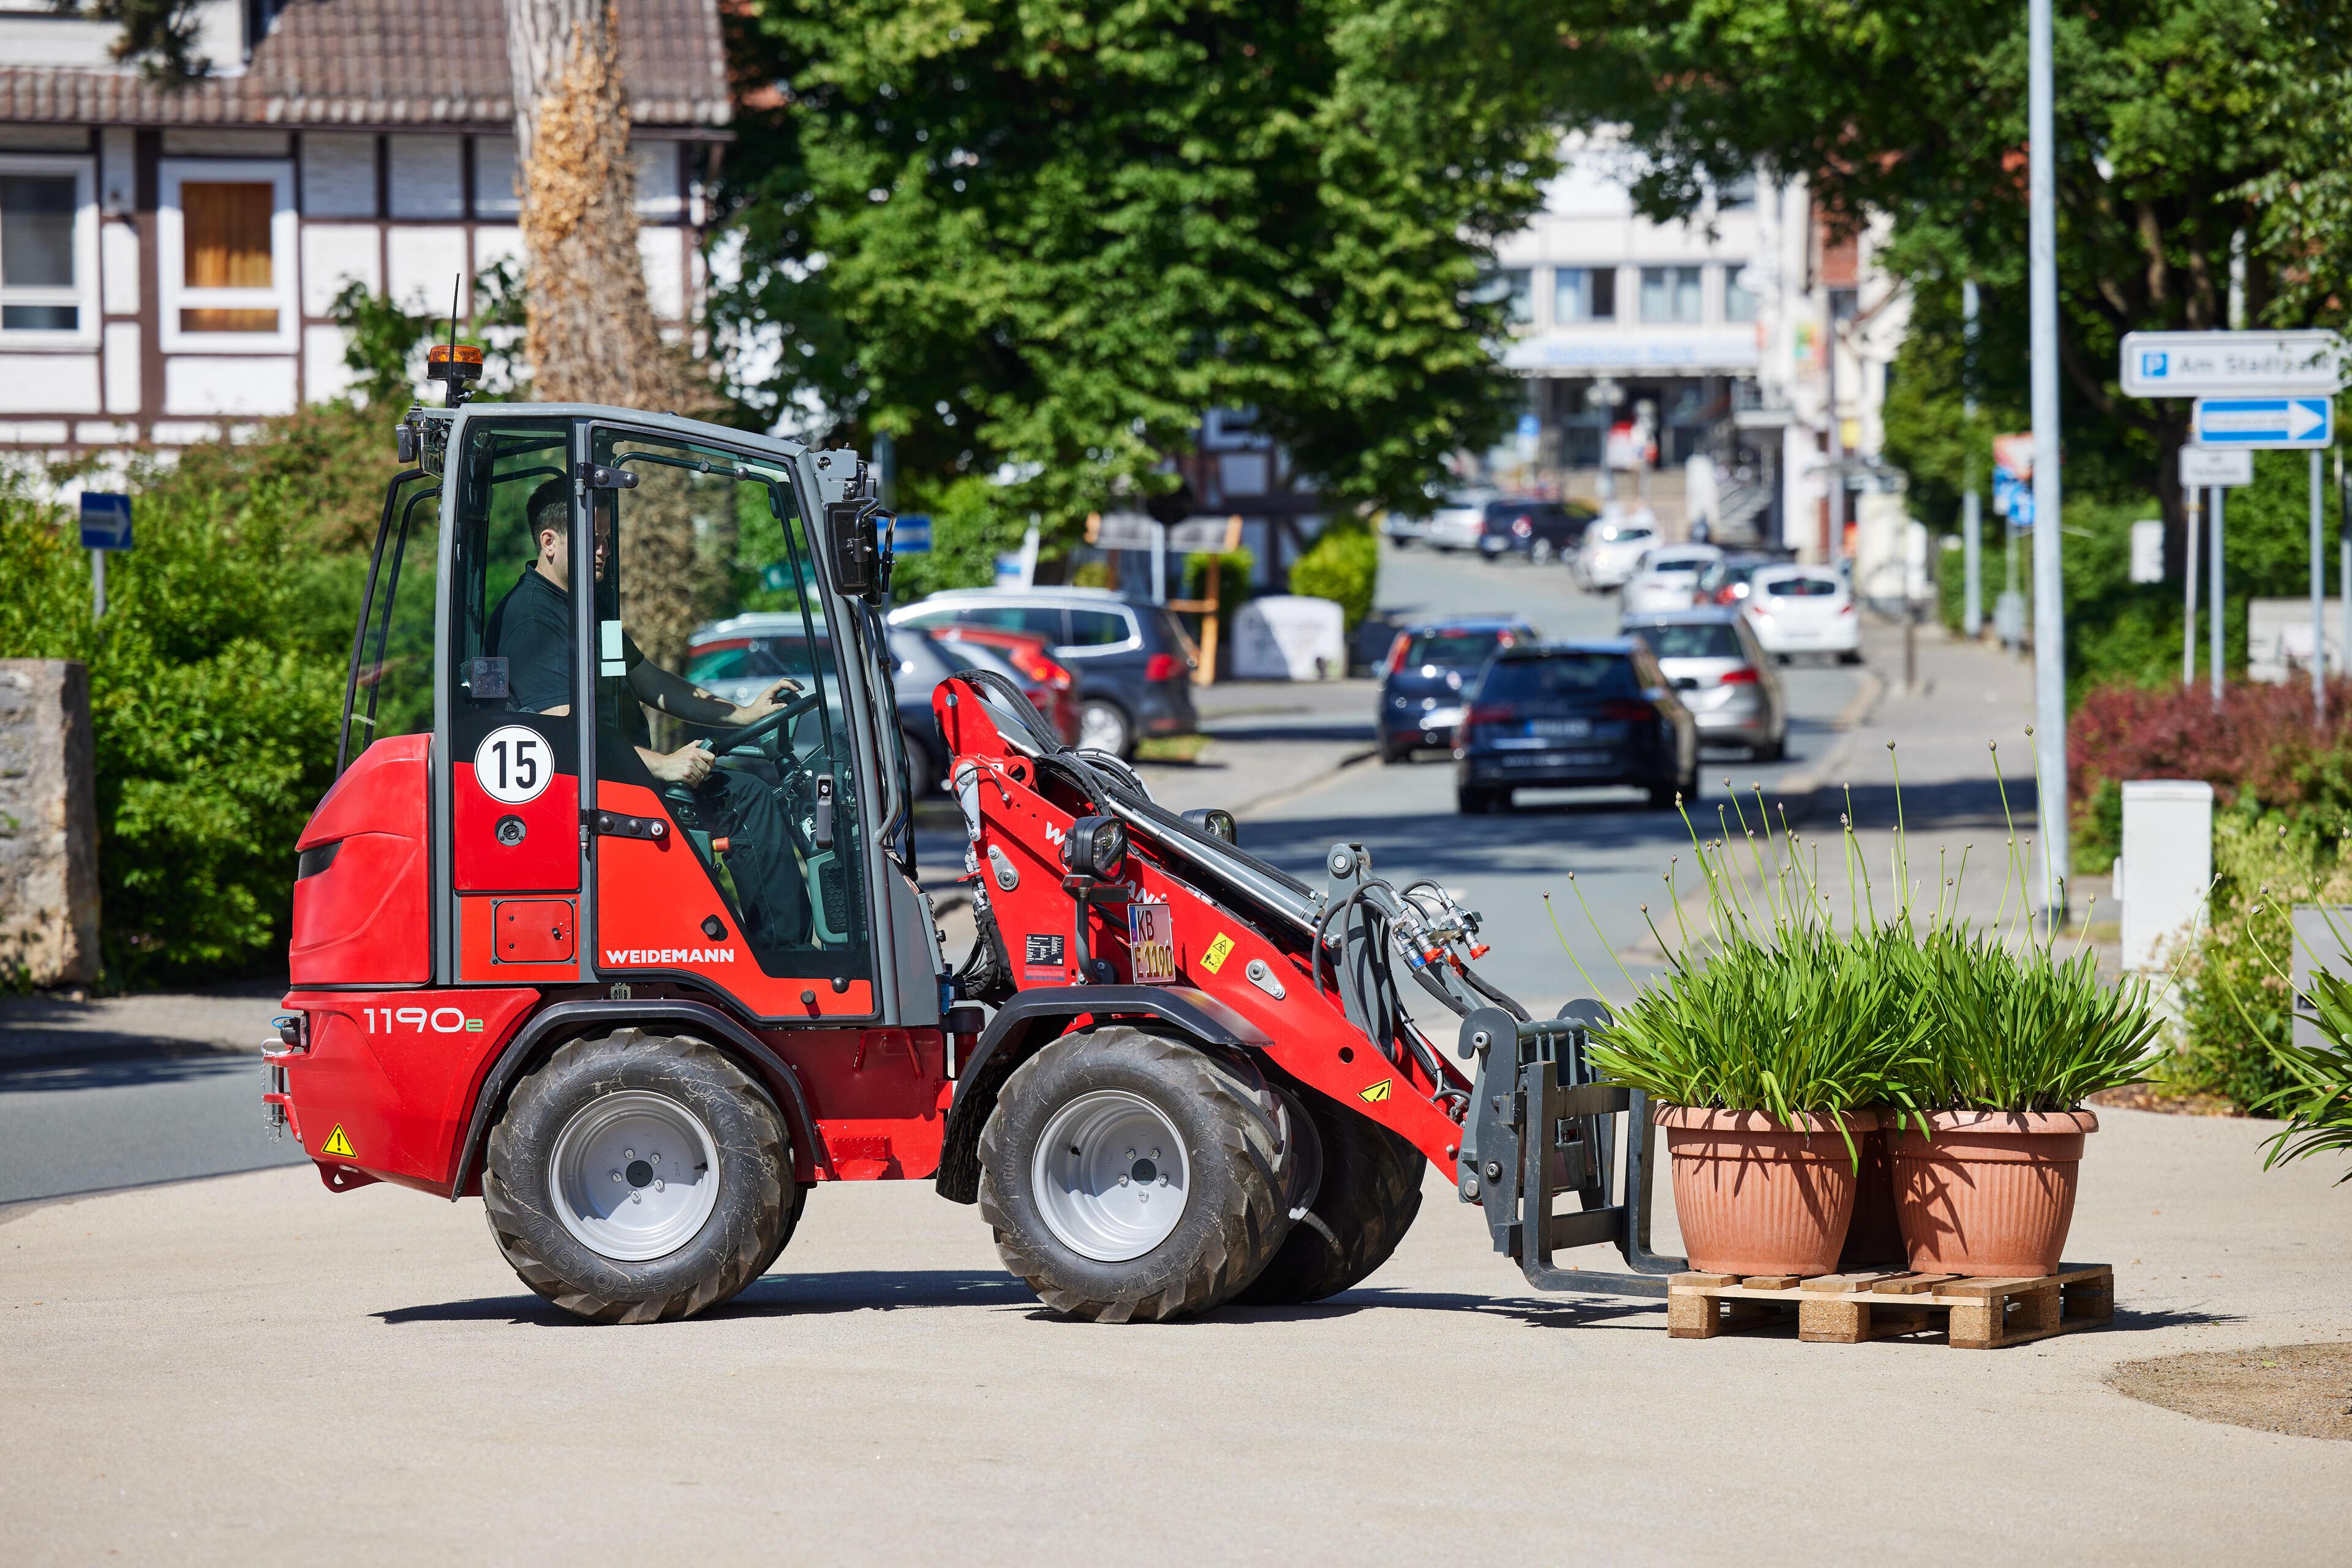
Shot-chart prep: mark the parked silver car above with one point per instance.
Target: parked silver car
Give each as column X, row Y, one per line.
column 1723, row 676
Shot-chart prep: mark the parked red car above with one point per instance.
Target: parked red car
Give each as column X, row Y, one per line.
column 1051, row 685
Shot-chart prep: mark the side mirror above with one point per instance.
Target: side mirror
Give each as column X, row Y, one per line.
column 1215, row 823
column 856, row 545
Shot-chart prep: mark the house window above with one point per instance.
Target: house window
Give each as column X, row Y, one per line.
column 1513, row 288
column 1738, row 300
column 49, row 243
column 225, row 236
column 1670, row 295
column 225, row 232
column 1583, row 294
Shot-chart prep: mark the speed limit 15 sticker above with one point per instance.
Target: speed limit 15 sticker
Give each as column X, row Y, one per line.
column 513, row 764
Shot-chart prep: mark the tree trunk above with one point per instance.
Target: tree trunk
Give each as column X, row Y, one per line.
column 592, row 336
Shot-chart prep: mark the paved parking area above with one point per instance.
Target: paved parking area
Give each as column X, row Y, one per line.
column 253, row 1370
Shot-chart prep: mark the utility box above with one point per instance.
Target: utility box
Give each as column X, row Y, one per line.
column 2166, row 868
column 2322, row 934
column 1288, row 637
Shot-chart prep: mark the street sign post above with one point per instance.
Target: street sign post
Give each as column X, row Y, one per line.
column 105, row 525
column 2265, row 424
column 2201, row 365
column 2204, row 465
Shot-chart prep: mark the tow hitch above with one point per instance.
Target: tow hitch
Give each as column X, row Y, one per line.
column 1540, row 1126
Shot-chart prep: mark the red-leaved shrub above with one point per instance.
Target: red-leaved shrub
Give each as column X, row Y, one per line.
column 2261, row 743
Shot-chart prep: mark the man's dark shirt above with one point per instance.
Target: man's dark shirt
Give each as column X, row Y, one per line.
column 531, row 630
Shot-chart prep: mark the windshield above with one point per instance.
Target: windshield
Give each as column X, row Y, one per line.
column 1712, row 640
column 1559, row 675
column 1450, row 650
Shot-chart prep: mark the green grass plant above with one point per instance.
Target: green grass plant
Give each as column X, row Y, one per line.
column 1778, row 1000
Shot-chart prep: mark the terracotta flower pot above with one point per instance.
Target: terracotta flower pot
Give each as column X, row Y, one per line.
column 1874, row 1240
column 1988, row 1192
column 1754, row 1197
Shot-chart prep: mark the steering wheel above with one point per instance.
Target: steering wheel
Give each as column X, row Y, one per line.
column 752, row 737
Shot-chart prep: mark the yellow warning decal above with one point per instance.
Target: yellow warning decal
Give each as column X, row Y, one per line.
column 1214, row 959
column 1372, row 1095
column 337, row 1145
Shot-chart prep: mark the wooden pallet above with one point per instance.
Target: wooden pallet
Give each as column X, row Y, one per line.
column 1847, row 1308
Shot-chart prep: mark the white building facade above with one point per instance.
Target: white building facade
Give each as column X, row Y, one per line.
column 170, row 256
column 1709, row 338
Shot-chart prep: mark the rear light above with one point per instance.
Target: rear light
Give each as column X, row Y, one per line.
column 1757, row 606
column 1396, row 654
column 1744, row 676
column 1034, row 663
column 1846, row 608
column 1490, row 713
column 1163, row 666
column 1629, row 713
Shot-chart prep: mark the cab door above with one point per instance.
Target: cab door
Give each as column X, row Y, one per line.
column 735, row 870
column 513, row 768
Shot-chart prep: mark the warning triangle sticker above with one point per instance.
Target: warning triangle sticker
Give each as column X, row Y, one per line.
column 340, row 1145
column 1372, row 1095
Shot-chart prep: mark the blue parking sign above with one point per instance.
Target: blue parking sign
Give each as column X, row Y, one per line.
column 105, row 520
column 911, row 536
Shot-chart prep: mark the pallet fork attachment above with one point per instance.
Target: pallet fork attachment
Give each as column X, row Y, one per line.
column 1540, row 1125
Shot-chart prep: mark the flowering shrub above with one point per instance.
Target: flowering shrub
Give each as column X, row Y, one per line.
column 2259, row 747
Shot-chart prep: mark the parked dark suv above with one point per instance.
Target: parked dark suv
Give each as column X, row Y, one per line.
column 1429, row 667
column 1541, row 531
column 1133, row 658
column 1563, row 715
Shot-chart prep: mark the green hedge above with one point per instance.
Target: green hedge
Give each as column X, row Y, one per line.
column 1342, row 565
column 216, row 687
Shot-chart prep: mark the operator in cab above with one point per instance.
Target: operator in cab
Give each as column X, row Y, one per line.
column 532, row 628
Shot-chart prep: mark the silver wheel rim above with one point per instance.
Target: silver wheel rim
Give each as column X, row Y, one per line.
column 1110, row 1175
column 634, row 1175
column 1099, row 729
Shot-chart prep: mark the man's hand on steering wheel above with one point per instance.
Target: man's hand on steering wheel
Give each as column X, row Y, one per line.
column 775, row 698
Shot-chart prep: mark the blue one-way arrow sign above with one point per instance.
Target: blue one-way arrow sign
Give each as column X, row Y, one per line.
column 2265, row 423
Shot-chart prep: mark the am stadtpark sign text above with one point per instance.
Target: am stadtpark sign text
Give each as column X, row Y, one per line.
column 2219, row 364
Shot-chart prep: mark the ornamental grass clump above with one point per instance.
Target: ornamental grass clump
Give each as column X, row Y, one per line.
column 2022, row 1030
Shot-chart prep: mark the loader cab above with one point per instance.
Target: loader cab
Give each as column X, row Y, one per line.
column 589, row 817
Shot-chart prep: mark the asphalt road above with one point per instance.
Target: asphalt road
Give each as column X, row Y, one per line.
column 69, row 1128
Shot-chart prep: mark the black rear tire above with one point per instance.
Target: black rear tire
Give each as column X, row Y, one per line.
column 1370, row 1194
column 1236, row 1198
column 757, row 1205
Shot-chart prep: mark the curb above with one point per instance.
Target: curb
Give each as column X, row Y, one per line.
column 1351, row 761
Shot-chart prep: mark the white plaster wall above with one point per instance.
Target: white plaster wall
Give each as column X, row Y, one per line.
column 665, row 261
column 46, row 40
column 48, row 384
column 335, row 254
column 424, row 263
column 427, row 176
column 118, row 173
column 324, row 374
column 338, row 175
column 492, row 246
column 123, row 369
column 246, row 384
column 117, row 264
column 228, row 144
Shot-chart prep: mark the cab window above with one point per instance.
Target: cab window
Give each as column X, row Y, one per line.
column 707, row 537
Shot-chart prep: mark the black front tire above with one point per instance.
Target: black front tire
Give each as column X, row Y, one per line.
column 1471, row 802
column 1370, row 1194
column 1236, row 1204
column 758, row 1203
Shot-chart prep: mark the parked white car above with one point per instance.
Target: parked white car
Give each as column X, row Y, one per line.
column 1668, row 579
column 1610, row 552
column 1460, row 520
column 1803, row 609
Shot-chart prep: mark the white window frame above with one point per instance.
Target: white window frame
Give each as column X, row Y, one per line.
column 170, row 242
column 83, row 294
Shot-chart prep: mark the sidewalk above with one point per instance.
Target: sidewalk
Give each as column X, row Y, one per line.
column 1971, row 697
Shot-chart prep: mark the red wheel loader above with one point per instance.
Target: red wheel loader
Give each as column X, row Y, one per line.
column 641, row 966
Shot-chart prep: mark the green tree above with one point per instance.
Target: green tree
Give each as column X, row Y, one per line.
column 1008, row 234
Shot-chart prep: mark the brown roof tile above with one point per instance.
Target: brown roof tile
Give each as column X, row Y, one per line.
column 388, row 62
